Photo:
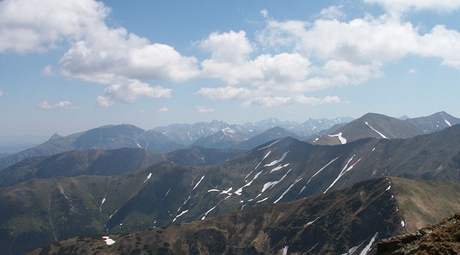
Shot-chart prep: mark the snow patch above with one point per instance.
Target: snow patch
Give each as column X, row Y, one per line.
column 279, row 168
column 287, row 190
column 448, row 123
column 285, row 250
column 403, row 223
column 227, row 192
column 375, row 130
column 179, row 215
column 339, row 136
column 207, row 212
column 270, row 145
column 368, row 247
column 344, row 170
column 311, row 222
column 268, row 185
column 198, row 183
column 108, row 241
column 148, row 177
column 262, row 200
column 213, row 190
column 277, row 161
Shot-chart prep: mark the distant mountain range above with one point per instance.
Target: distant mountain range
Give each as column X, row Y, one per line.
column 40, row 211
column 385, row 127
column 214, row 134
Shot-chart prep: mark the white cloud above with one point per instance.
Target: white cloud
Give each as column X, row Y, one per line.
column 412, row 71
column 36, row 25
column 264, row 13
column 47, row 70
column 231, row 46
column 399, row 6
column 224, row 93
column 107, row 55
column 273, row 101
column 103, row 101
column 371, row 41
column 128, row 91
column 45, row 105
column 163, row 109
column 203, row 109
column 332, row 12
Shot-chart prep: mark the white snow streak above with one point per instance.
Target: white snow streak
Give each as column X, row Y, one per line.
column 271, row 184
column 322, row 168
column 213, row 190
column 206, row 213
column 279, row 168
column 311, row 222
column 345, row 169
column 148, row 177
column 375, row 130
column 369, row 245
column 403, row 223
column 285, row 250
column 257, row 166
column 179, row 215
column 238, row 192
column 339, row 136
column 227, row 192
column 198, row 183
column 287, row 190
column 278, row 160
column 448, row 123
column 262, row 200
column 270, row 145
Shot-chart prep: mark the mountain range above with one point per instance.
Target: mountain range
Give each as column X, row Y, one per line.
column 214, row 134
column 52, row 208
column 271, row 193
column 385, row 127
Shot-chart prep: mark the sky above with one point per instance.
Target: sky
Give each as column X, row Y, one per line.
column 67, row 66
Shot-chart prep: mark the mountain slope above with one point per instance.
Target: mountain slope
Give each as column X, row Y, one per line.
column 265, row 137
column 106, row 137
column 434, row 122
column 379, row 126
column 443, row 238
column 75, row 163
column 222, row 139
column 347, row 221
column 370, row 125
column 199, row 156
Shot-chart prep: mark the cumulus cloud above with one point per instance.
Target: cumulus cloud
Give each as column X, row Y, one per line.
column 45, row 105
column 128, row 91
column 203, row 109
column 332, row 12
column 399, row 6
column 98, row 53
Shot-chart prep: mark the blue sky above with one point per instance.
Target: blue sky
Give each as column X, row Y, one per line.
column 179, row 61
